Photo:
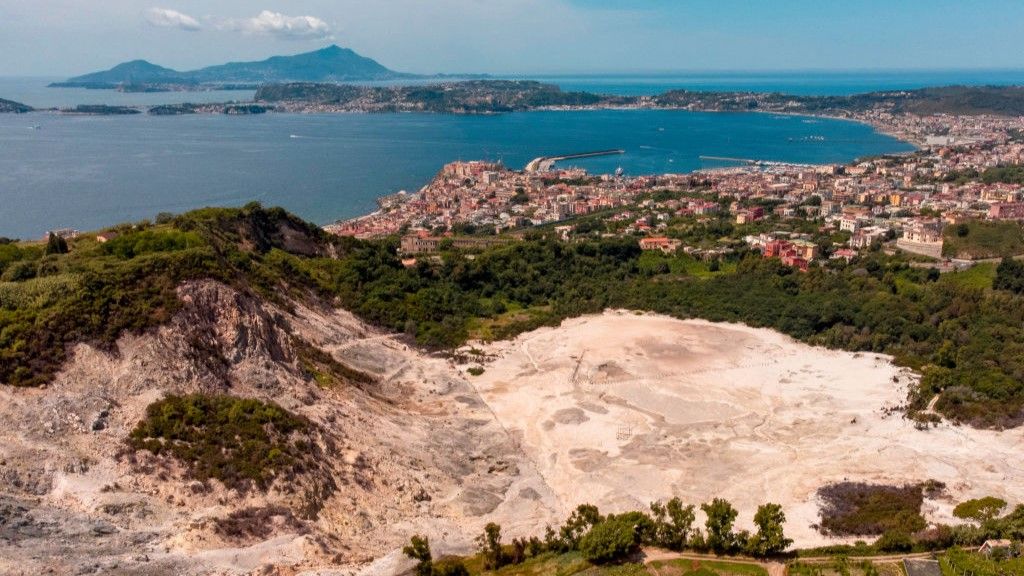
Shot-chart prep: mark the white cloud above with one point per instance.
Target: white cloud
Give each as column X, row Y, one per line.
column 167, row 18
column 277, row 24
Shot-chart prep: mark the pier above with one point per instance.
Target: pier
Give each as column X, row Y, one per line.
column 752, row 162
column 545, row 163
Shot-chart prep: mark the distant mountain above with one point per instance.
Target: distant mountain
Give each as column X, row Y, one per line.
column 133, row 72
column 331, row 64
column 13, row 107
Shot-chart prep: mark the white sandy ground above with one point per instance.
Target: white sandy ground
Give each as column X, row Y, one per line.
column 617, row 410
column 621, row 409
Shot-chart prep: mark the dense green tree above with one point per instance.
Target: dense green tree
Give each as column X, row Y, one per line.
column 673, row 523
column 1010, row 276
column 610, row 540
column 582, row 519
column 720, row 517
column 770, row 537
column 980, row 510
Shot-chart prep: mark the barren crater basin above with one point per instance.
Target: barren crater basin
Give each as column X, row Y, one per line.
column 621, row 409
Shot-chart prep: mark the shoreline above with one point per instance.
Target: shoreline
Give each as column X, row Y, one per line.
column 331, row 222
column 144, row 110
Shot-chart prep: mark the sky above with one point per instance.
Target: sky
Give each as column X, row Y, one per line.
column 69, row 37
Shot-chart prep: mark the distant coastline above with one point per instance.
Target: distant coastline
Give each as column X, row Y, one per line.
column 341, row 163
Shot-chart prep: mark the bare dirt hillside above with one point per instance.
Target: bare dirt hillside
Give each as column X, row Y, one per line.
column 416, row 450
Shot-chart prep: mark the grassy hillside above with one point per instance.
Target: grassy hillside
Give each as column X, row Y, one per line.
column 978, row 239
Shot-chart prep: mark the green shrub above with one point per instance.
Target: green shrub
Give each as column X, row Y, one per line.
column 980, row 509
column 244, row 443
column 611, row 540
column 895, row 541
column 135, row 244
column 449, row 566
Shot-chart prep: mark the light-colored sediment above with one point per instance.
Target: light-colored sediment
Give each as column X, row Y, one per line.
column 660, row 407
column 617, row 409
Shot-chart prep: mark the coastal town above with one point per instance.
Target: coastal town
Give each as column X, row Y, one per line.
column 905, row 201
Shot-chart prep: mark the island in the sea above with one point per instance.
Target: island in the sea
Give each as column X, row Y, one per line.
column 330, row 64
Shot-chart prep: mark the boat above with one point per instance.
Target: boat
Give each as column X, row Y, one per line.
column 619, row 171
column 35, row 127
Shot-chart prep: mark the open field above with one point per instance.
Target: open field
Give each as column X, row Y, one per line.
column 620, row 409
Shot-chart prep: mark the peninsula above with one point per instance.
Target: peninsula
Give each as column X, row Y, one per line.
column 9, row 106
column 496, row 96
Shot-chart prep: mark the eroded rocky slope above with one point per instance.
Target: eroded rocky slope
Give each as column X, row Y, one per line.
column 410, row 449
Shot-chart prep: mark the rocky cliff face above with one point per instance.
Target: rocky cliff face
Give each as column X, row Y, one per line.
column 411, row 449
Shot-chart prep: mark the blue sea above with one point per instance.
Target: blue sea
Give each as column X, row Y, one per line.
column 91, row 172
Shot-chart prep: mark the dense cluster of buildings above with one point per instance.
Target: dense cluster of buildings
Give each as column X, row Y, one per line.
column 488, row 195
column 908, row 197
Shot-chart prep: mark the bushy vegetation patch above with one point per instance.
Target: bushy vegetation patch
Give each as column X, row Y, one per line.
column 855, row 509
column 1012, row 174
column 244, row 443
column 1010, row 276
column 614, row 539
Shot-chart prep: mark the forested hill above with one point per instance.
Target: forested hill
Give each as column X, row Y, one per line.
column 961, row 100
column 10, row 106
column 967, row 339
column 481, row 96
column 494, row 96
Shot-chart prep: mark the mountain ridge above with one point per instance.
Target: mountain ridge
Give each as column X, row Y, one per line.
column 330, row 64
column 10, row 106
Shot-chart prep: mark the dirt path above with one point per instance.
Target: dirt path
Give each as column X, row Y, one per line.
column 890, row 558
column 659, row 555
column 774, row 568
